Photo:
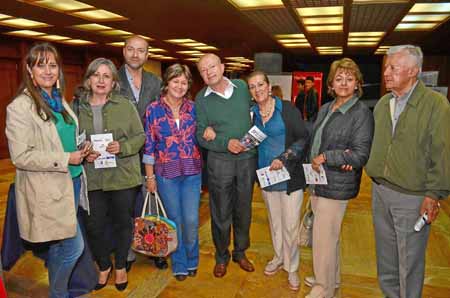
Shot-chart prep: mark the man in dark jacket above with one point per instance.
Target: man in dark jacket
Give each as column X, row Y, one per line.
column 140, row 87
column 310, row 104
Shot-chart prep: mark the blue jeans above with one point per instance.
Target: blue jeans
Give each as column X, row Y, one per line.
column 63, row 256
column 181, row 198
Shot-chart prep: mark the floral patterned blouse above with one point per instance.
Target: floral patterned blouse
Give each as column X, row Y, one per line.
column 171, row 148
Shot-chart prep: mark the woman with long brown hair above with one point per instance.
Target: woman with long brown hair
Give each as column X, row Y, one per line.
column 42, row 135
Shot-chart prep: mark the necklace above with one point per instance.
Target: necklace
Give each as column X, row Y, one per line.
column 269, row 111
column 174, row 107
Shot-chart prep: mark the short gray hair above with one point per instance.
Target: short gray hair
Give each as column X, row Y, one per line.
column 413, row 51
column 92, row 68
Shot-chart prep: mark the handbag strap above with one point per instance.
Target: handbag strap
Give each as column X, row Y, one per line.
column 158, row 203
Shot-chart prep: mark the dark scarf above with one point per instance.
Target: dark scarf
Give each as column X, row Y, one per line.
column 54, row 101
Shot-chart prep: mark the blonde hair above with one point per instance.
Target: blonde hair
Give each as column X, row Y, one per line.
column 347, row 65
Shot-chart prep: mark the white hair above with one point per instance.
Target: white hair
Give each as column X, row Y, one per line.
column 413, row 51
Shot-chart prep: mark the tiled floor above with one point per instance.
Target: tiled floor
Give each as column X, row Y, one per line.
column 29, row 278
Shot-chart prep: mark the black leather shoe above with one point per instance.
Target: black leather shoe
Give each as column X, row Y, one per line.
column 121, row 286
column 129, row 264
column 99, row 286
column 192, row 272
column 160, row 263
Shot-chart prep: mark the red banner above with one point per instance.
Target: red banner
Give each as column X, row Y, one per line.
column 297, row 75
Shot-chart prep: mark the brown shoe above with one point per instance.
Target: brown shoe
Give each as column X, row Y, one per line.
column 220, row 270
column 245, row 264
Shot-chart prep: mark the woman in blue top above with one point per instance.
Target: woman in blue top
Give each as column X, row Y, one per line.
column 41, row 130
column 285, row 145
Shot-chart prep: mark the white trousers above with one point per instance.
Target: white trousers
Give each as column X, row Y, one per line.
column 328, row 216
column 284, row 222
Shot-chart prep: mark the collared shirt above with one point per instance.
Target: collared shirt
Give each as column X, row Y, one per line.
column 228, row 90
column 315, row 147
column 399, row 104
column 135, row 90
column 274, row 144
column 172, row 149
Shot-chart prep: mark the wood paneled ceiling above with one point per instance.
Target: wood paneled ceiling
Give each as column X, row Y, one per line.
column 237, row 31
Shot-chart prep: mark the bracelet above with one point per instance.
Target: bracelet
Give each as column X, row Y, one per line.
column 152, row 177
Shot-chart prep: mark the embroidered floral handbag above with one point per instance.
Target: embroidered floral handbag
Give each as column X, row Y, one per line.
column 154, row 235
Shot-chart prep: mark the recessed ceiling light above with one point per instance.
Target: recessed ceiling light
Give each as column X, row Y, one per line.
column 167, row 58
column 430, row 7
column 293, row 40
column 320, row 11
column 78, row 42
column 322, row 20
column 117, row 44
column 115, row 32
column 253, row 4
column 415, row 26
column 361, row 43
column 325, row 28
column 52, row 37
column 91, row 27
column 206, row 48
column 23, row 23
column 188, row 52
column 193, row 44
column 329, row 48
column 192, row 59
column 179, row 40
column 379, row 1
column 4, row 16
column 363, row 39
column 98, row 15
column 25, row 33
column 156, row 50
column 425, row 18
column 368, row 34
column 280, row 36
column 59, row 5
column 144, row 37
column 296, row 45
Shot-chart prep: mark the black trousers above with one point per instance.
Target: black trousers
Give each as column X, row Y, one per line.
column 111, row 214
column 230, row 184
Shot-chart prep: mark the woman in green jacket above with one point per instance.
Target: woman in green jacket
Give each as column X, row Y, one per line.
column 112, row 123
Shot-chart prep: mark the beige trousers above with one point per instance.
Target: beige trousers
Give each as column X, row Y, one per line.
column 284, row 222
column 328, row 216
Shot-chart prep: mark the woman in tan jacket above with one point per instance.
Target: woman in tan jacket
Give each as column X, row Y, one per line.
column 42, row 137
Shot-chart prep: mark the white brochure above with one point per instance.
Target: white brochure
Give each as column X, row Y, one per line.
column 267, row 178
column 312, row 177
column 253, row 138
column 99, row 143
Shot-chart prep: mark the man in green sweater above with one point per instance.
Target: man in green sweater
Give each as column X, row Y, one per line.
column 223, row 118
column 409, row 166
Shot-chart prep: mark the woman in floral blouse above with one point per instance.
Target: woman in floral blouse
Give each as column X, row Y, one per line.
column 173, row 163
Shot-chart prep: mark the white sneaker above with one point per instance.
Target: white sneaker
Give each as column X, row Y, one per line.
column 272, row 267
column 311, row 280
column 294, row 281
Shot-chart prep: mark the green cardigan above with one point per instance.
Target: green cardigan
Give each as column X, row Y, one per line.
column 416, row 159
column 122, row 120
column 230, row 119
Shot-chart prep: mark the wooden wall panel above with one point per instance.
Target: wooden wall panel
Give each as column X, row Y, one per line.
column 10, row 83
column 73, row 75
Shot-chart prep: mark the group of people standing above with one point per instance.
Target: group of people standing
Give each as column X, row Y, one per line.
column 157, row 134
